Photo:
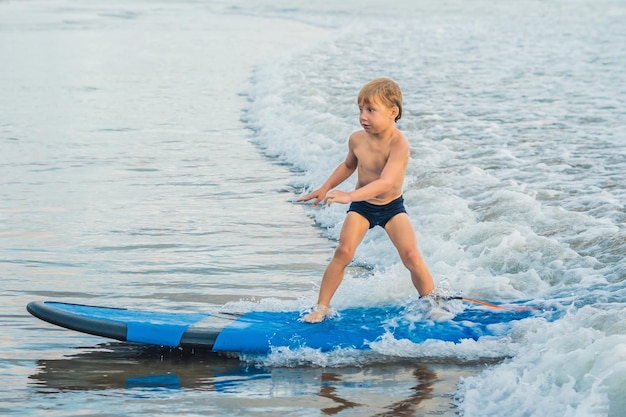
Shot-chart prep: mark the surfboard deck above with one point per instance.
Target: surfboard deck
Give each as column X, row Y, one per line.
column 260, row 332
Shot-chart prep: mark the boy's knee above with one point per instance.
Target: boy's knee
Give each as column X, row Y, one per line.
column 410, row 258
column 344, row 254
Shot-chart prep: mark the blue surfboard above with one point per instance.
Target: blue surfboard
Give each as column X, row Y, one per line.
column 260, row 332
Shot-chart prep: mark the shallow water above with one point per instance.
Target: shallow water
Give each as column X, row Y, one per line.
column 139, row 381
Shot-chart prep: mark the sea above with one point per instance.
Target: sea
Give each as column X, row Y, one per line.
column 151, row 156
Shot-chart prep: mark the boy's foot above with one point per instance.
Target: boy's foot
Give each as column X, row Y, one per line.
column 319, row 313
column 440, row 305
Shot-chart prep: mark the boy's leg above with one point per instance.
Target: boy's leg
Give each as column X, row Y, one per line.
column 400, row 231
column 354, row 228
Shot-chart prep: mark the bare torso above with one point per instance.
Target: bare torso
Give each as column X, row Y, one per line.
column 377, row 159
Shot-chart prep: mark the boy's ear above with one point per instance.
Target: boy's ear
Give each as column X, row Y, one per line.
column 395, row 111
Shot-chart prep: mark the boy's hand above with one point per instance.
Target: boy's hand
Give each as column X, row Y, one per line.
column 337, row 196
column 318, row 195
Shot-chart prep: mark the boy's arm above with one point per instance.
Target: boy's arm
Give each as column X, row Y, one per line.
column 339, row 175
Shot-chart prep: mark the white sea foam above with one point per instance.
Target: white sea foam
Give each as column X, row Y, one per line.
column 572, row 367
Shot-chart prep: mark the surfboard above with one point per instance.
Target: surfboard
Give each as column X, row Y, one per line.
column 261, row 332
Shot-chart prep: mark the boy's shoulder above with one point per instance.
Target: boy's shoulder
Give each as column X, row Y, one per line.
column 396, row 133
column 397, row 138
column 357, row 137
column 397, row 144
column 357, row 134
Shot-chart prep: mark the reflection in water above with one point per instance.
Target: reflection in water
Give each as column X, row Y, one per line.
column 328, row 390
column 422, row 391
column 394, row 389
column 122, row 365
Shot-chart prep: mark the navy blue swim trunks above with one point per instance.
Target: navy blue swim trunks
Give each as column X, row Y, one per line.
column 378, row 215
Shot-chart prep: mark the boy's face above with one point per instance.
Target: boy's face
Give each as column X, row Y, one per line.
column 375, row 116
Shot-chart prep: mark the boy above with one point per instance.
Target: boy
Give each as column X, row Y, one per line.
column 380, row 155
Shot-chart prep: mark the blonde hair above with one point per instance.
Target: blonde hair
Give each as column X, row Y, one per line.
column 384, row 89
